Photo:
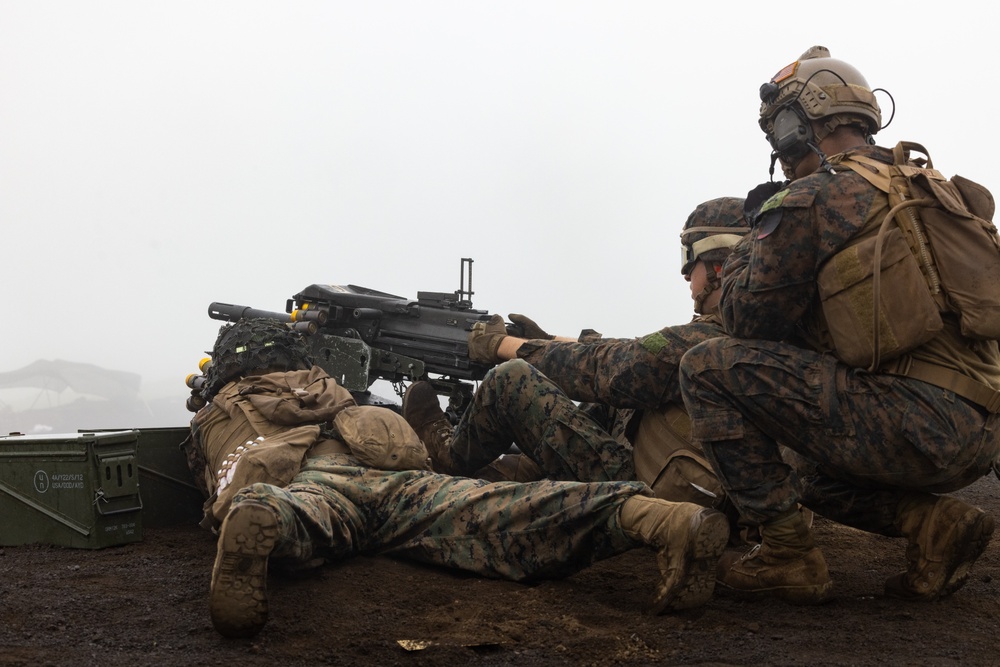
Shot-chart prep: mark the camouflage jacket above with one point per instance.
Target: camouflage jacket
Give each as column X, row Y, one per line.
column 770, row 281
column 639, row 373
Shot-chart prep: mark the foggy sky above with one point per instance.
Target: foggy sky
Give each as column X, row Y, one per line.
column 156, row 157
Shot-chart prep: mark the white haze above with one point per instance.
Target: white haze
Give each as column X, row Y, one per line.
column 158, row 156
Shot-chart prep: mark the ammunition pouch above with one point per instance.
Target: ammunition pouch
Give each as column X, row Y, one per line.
column 849, row 288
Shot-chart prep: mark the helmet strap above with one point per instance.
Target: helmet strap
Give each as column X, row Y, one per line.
column 713, row 281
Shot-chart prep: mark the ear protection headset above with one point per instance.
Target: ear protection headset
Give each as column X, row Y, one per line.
column 790, row 131
column 793, row 133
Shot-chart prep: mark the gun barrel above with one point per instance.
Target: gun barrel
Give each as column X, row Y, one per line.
column 230, row 312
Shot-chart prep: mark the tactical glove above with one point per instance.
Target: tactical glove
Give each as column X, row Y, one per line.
column 485, row 338
column 524, row 327
column 758, row 195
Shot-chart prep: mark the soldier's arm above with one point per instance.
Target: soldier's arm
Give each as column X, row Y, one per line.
column 768, row 282
column 624, row 373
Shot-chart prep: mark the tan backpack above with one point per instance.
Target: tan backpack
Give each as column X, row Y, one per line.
column 937, row 251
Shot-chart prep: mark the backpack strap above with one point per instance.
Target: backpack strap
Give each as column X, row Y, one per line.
column 873, row 171
column 879, row 173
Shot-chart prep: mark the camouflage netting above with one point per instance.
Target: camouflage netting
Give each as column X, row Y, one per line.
column 251, row 346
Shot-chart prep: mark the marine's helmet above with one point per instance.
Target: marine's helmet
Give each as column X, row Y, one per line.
column 709, row 234
column 251, row 346
column 815, row 87
column 711, row 231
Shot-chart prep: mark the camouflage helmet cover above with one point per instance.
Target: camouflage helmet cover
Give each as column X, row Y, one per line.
column 711, row 231
column 250, row 346
column 821, row 86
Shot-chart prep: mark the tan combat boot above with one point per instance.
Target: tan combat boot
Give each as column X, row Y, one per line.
column 787, row 564
column 238, row 597
column 945, row 536
column 688, row 539
column 422, row 411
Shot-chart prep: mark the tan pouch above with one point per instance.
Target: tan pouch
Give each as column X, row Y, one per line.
column 670, row 463
column 907, row 314
column 274, row 459
column 966, row 253
column 380, row 438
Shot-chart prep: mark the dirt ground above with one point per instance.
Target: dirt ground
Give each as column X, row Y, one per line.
column 146, row 604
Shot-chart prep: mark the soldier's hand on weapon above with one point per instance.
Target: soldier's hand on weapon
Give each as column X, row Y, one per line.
column 485, row 339
column 525, row 327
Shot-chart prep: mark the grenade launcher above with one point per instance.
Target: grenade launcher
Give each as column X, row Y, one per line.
column 360, row 335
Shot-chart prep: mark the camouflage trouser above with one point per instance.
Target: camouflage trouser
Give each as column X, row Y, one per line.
column 517, row 404
column 616, row 421
column 872, row 437
column 335, row 508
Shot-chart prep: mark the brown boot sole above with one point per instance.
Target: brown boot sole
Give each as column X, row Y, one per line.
column 979, row 534
column 238, row 598
column 797, row 595
column 802, row 596
column 709, row 534
column 974, row 532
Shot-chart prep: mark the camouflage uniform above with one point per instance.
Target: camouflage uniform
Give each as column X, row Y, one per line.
column 630, row 420
column 623, row 374
column 298, row 474
column 872, row 436
column 637, row 373
column 334, row 508
column 530, row 401
column 515, row 403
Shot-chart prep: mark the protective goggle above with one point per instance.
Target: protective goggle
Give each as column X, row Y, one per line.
column 722, row 237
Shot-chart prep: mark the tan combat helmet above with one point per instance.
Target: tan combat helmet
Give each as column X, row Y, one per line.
column 815, row 87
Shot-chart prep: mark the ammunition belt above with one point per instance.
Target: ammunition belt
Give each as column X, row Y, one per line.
column 946, row 378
